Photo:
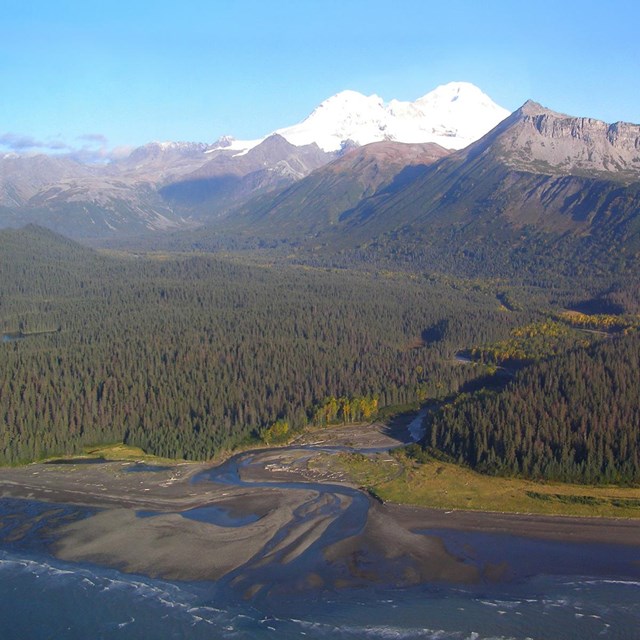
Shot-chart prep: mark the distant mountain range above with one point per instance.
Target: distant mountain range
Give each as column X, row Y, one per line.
column 538, row 190
column 541, row 188
column 175, row 185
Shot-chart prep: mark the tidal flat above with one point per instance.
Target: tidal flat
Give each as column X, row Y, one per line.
column 277, row 539
column 280, row 507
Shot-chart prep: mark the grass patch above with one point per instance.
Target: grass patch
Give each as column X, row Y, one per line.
column 443, row 485
column 120, row 451
column 365, row 471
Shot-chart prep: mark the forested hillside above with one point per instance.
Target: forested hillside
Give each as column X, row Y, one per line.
column 186, row 355
column 543, row 199
column 575, row 417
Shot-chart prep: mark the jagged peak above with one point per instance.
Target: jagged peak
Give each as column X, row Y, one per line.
column 275, row 137
column 532, row 108
column 538, row 139
column 275, row 140
column 158, row 149
column 169, row 145
column 222, row 142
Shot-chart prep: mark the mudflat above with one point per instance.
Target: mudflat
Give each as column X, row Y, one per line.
column 559, row 528
column 263, row 513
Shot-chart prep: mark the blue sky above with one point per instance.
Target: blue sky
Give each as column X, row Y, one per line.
column 105, row 74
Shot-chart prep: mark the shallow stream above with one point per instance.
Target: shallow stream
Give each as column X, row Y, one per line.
column 544, row 589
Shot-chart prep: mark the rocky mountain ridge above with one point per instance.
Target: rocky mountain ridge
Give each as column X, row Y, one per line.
column 172, row 185
column 537, row 169
column 321, row 198
column 539, row 184
column 545, row 140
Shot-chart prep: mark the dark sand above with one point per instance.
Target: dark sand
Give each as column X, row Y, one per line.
column 560, row 528
column 389, row 547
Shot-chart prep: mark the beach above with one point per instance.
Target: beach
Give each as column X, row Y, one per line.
column 268, row 508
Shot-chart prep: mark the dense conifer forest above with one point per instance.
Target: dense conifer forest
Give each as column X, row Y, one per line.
column 188, row 354
column 185, row 355
column 575, row 417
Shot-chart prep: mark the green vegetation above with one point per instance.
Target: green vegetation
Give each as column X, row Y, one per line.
column 120, row 451
column 605, row 322
column 345, row 410
column 443, row 485
column 552, row 337
column 185, row 356
column 532, row 342
column 277, row 433
column 573, row 418
column 367, row 471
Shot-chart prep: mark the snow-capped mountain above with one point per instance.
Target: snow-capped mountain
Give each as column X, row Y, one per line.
column 453, row 115
column 177, row 184
column 540, row 185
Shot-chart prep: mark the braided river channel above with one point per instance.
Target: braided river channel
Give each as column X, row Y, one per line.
column 257, row 548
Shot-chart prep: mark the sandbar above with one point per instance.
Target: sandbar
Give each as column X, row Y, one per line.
column 139, row 522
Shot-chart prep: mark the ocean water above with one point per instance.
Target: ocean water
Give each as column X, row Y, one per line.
column 43, row 598
column 547, row 590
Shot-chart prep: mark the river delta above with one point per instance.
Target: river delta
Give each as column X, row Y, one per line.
column 273, row 542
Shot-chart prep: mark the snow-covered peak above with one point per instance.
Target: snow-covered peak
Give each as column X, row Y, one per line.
column 463, row 108
column 453, row 115
column 348, row 115
column 154, row 152
column 347, row 102
column 452, row 92
column 229, row 143
column 223, row 142
column 171, row 147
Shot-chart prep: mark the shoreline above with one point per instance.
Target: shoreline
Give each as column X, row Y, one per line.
column 559, row 528
column 278, row 513
column 169, row 496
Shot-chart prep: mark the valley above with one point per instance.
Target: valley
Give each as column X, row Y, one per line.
column 253, row 325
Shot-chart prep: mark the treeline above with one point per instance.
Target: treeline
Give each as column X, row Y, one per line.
column 573, row 418
column 184, row 356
